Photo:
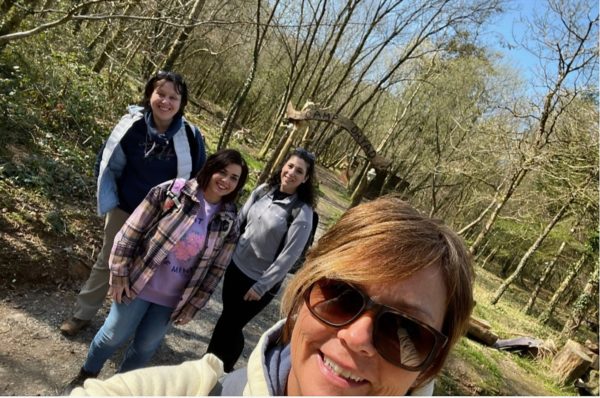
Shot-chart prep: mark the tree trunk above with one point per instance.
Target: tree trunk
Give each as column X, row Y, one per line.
column 584, row 302
column 531, row 250
column 78, row 25
column 378, row 15
column 282, row 152
column 112, row 43
column 489, row 257
column 234, row 110
column 98, row 38
column 13, row 16
column 177, row 46
column 108, row 48
column 358, row 175
column 296, row 73
column 272, row 133
column 571, row 362
column 497, row 207
column 479, row 330
column 269, row 165
column 339, row 30
column 573, row 271
column 542, row 281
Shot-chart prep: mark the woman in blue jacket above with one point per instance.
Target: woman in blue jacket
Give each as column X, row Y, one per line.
column 277, row 221
column 151, row 144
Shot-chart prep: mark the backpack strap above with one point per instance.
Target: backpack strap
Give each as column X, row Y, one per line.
column 173, row 194
column 172, row 202
column 191, row 131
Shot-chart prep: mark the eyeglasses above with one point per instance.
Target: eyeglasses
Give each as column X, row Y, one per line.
column 304, row 152
column 399, row 338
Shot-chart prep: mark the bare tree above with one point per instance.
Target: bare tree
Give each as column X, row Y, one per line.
column 559, row 293
column 115, row 39
column 7, row 33
column 299, row 59
column 542, row 281
column 586, row 301
column 572, row 49
column 232, row 114
column 181, row 39
column 532, row 249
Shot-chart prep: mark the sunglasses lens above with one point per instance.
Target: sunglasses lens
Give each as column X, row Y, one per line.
column 335, row 303
column 402, row 341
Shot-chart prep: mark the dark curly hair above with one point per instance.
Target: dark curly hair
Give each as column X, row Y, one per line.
column 307, row 190
column 161, row 77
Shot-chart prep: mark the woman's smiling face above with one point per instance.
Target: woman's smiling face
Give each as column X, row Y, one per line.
column 293, row 173
column 165, row 102
column 343, row 361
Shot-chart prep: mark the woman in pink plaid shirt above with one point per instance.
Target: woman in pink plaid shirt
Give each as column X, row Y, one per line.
column 167, row 260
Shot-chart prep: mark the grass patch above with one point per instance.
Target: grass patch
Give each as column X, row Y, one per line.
column 486, row 365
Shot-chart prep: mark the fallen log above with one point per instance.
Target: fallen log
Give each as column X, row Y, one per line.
column 479, row 330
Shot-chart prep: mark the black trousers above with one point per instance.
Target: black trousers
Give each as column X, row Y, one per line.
column 227, row 341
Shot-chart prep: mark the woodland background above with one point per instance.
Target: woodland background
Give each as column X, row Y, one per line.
column 510, row 163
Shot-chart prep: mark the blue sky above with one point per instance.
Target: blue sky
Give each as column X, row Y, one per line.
column 509, row 31
column 509, row 28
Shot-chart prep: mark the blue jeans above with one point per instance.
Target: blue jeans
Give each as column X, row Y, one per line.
column 148, row 321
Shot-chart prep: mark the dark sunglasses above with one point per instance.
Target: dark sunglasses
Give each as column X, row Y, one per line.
column 399, row 338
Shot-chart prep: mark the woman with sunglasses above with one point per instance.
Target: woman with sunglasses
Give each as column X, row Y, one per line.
column 153, row 143
column 375, row 310
column 272, row 240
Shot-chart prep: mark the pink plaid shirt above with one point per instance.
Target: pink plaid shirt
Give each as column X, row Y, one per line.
column 150, row 233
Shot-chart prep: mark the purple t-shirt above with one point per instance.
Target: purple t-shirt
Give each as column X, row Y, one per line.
column 171, row 277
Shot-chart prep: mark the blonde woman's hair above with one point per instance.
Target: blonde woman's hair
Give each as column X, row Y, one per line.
column 387, row 240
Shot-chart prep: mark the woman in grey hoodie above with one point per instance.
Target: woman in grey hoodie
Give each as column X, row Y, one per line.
column 277, row 221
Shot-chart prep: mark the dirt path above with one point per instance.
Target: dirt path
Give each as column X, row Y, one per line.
column 36, row 359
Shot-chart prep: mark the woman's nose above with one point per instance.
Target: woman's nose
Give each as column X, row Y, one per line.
column 358, row 336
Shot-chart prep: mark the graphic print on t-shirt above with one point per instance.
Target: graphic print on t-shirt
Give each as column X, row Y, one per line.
column 172, row 276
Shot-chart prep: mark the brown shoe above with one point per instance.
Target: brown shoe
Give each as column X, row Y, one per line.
column 72, row 326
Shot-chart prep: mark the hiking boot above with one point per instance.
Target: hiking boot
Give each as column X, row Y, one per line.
column 72, row 326
column 78, row 381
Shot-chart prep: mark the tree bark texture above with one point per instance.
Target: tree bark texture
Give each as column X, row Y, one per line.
column 508, row 281
column 571, row 274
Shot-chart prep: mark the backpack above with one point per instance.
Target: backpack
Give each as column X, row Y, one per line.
column 292, row 214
